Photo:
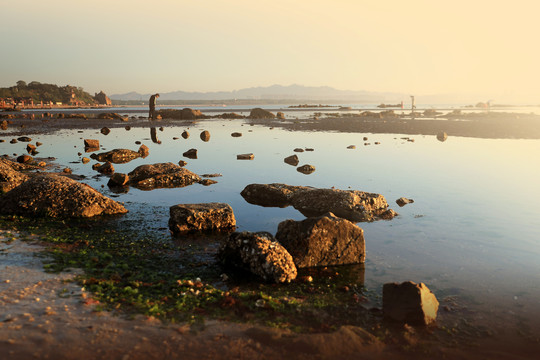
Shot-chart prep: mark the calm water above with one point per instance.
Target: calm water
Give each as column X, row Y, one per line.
column 472, row 232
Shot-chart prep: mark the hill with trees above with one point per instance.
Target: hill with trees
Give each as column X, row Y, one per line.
column 47, row 93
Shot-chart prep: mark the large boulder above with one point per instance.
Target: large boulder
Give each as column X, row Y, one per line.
column 259, row 113
column 112, row 116
column 201, row 217
column 260, row 254
column 184, row 114
column 9, row 177
column 102, row 98
column 116, row 156
column 323, row 241
column 162, row 175
column 57, row 196
column 352, row 205
column 410, row 303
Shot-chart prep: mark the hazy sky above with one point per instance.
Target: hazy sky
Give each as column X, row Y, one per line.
column 421, row 47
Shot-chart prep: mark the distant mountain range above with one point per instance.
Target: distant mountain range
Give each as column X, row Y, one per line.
column 275, row 92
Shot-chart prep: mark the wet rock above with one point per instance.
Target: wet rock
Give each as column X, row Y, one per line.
column 31, row 149
column 112, row 116
column 105, row 130
column 184, row 114
column 249, row 156
column 352, row 205
column 9, row 176
column 306, row 169
column 404, row 201
column 310, row 149
column 185, row 134
column 207, row 182
column 230, row 116
column 138, row 142
column 4, row 125
column 143, row 151
column 57, row 196
column 118, row 179
column 24, row 139
column 92, row 149
column 182, row 163
column 91, row 143
column 351, row 147
column 106, row 168
column 259, row 113
column 42, row 164
column 280, row 115
column 67, row 171
column 442, row 136
column 13, row 141
column 298, row 150
column 236, row 134
column 201, row 217
column 127, row 128
column 292, row 160
column 116, row 156
column 365, row 138
column 85, row 160
column 76, row 116
column 205, row 135
column 389, row 214
column 322, row 241
column 260, row 254
column 23, row 159
column 190, row 154
column 162, row 175
column 409, row 303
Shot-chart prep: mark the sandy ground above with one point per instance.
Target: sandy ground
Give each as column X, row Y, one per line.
column 47, row 316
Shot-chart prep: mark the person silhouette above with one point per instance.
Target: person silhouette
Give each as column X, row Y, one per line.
column 152, row 106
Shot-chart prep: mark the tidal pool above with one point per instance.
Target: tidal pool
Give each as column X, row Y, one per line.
column 471, row 234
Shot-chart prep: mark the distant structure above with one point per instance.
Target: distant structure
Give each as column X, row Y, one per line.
column 102, row 98
column 413, row 104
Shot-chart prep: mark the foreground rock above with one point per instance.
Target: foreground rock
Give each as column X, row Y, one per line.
column 292, row 160
column 121, row 156
column 57, row 196
column 260, row 254
column 205, row 136
column 352, row 205
column 322, row 241
column 91, row 143
column 201, row 217
column 9, row 177
column 409, row 303
column 162, row 175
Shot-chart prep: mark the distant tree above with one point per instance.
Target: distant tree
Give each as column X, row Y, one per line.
column 21, row 84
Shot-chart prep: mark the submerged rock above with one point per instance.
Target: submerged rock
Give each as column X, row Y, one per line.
column 117, row 156
column 260, row 254
column 409, row 303
column 201, row 217
column 57, row 196
column 322, row 241
column 162, row 175
column 352, row 205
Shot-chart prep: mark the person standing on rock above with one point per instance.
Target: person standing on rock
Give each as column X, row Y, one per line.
column 152, row 105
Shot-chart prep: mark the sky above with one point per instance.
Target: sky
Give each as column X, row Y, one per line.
column 489, row 48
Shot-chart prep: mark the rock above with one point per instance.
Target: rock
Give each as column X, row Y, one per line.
column 184, row 114
column 144, row 151
column 205, row 135
column 292, row 160
column 365, row 138
column 24, row 139
column 259, row 113
column 127, row 128
column 182, row 163
column 42, row 164
column 280, row 115
column 230, row 116
column 89, row 150
column 207, row 182
column 67, row 171
column 23, row 159
column 57, row 196
column 249, row 156
column 191, row 154
column 105, row 130
column 409, row 303
column 91, row 143
column 76, row 116
column 442, row 136
column 351, row 147
column 389, row 214
column 118, row 179
column 4, row 125
column 102, row 98
column 322, row 241
column 310, row 149
column 162, row 175
column 85, row 160
column 298, row 150
column 9, row 176
column 201, row 217
column 352, row 205
column 138, row 142
column 116, row 156
column 112, row 116
column 31, row 149
column 236, row 134
column 106, row 168
column 306, row 169
column 404, row 201
column 260, row 254
column 185, row 134
column 13, row 141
